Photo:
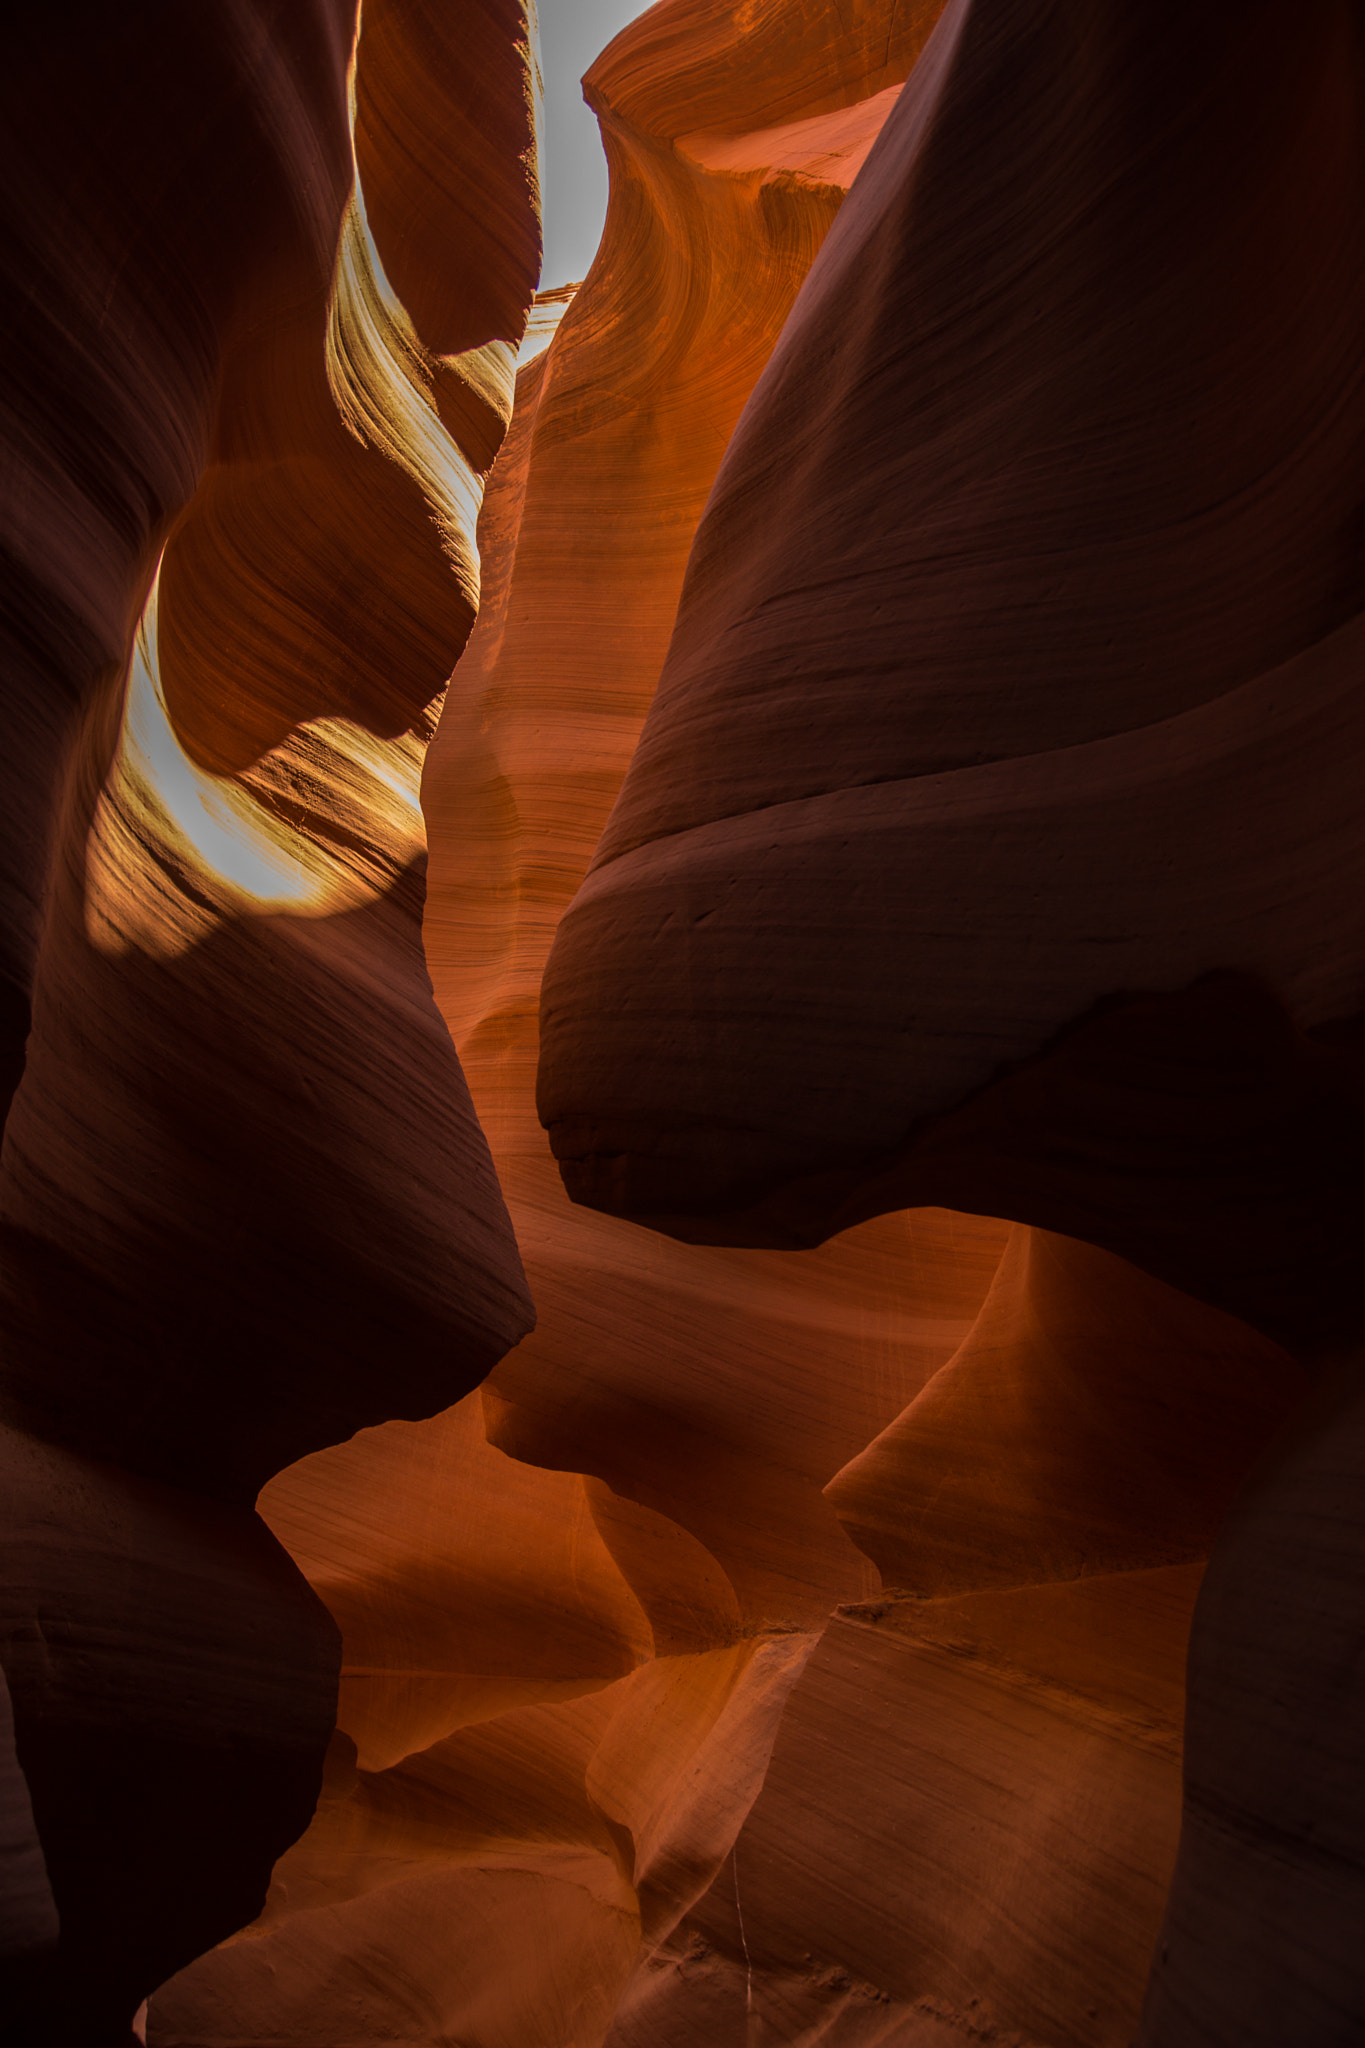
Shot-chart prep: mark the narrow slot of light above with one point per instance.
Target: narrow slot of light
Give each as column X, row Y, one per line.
column 162, row 822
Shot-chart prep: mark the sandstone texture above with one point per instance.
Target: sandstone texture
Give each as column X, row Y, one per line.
column 245, row 1206
column 993, row 841
column 1016, row 668
column 908, row 721
column 786, row 1645
column 610, row 1773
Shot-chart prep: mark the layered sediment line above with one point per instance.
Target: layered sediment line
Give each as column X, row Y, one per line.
column 783, row 1642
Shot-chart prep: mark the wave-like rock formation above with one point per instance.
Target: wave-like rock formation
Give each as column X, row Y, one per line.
column 812, row 1668
column 618, row 432
column 1062, row 751
column 581, row 1796
column 245, row 1206
column 993, row 840
column 788, row 1642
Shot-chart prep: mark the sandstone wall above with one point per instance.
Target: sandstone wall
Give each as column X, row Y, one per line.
column 812, row 1668
column 245, row 1206
column 993, row 840
column 787, row 1641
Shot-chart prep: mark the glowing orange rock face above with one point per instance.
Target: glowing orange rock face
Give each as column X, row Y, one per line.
column 815, row 1672
column 245, row 1206
column 184, row 889
column 619, row 430
column 994, row 840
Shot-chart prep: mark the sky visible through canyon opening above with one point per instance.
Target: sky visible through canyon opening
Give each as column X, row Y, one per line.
column 573, row 169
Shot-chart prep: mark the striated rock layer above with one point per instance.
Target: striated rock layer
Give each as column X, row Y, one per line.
column 245, row 1206
column 993, row 840
column 579, row 1797
column 1015, row 667
column 812, row 1669
column 787, row 1643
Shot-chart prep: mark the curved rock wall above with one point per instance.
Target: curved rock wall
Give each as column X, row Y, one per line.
column 993, row 840
column 1015, row 668
column 813, row 1666
column 245, row 1206
column 785, row 1643
column 619, row 430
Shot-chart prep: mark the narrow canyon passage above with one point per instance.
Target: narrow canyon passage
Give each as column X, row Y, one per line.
column 679, row 1309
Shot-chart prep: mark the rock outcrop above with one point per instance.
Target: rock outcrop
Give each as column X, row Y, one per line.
column 813, row 1668
column 970, row 719
column 992, row 840
column 788, row 1641
column 28, row 1918
column 618, row 432
column 245, row 1206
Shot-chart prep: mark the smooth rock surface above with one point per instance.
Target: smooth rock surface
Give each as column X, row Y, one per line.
column 174, row 1682
column 245, row 1205
column 1016, row 669
column 802, row 1657
column 1259, row 1942
column 993, row 841
column 583, row 1677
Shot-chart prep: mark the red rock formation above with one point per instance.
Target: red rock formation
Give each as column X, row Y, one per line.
column 119, row 296
column 1107, row 1420
column 974, row 1770
column 1017, row 785
column 619, row 430
column 1015, row 672
column 926, row 1858
column 958, row 1797
column 466, row 1585
column 813, row 1668
column 173, row 1683
column 245, row 1207
column 711, row 1520
column 972, row 1807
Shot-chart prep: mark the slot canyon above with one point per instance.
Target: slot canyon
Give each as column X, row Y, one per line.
column 683, row 1029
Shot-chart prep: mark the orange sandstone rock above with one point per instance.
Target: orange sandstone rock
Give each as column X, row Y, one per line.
column 133, row 245
column 730, row 1408
column 1093, row 1420
column 708, row 1397
column 465, row 1584
column 619, row 428
column 174, row 1681
column 973, row 1805
column 993, row 841
column 631, row 1747
column 245, row 1207
column 1259, row 1941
